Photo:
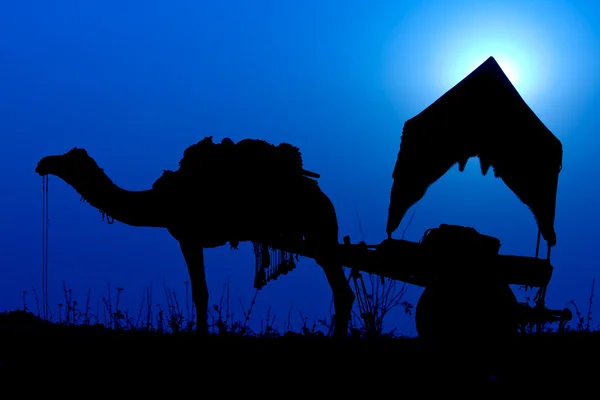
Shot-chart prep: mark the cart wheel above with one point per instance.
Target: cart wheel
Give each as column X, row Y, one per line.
column 457, row 311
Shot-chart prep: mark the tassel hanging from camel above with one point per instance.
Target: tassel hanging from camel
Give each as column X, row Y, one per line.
column 270, row 264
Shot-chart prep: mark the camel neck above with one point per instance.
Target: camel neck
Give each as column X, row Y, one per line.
column 135, row 208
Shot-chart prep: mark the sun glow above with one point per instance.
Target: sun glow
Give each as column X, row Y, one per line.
column 511, row 71
column 516, row 58
column 441, row 44
column 546, row 51
column 515, row 70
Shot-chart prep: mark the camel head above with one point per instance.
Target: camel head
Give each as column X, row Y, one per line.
column 71, row 166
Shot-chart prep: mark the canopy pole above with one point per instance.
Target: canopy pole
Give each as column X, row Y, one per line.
column 45, row 246
column 537, row 246
column 541, row 294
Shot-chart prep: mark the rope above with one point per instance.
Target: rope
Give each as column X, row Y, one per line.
column 107, row 217
column 45, row 221
column 103, row 213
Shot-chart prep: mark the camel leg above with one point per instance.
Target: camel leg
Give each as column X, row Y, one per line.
column 194, row 258
column 343, row 298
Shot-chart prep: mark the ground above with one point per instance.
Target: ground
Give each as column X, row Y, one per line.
column 33, row 349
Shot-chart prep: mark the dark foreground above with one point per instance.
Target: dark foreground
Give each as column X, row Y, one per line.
column 96, row 357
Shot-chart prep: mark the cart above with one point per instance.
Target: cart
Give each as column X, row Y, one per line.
column 467, row 285
column 466, row 279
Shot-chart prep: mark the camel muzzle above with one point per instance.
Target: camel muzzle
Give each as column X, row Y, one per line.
column 44, row 166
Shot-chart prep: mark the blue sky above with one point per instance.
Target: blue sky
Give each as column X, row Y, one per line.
column 135, row 83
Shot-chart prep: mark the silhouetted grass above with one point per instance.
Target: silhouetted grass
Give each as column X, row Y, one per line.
column 159, row 340
column 178, row 314
column 179, row 317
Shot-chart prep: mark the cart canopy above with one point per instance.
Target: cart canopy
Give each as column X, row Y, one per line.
column 483, row 116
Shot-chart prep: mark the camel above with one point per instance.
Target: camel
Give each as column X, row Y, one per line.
column 223, row 192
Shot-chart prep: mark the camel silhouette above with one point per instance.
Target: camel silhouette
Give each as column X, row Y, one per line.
column 224, row 192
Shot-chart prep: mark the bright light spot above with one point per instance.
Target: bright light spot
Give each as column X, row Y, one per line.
column 510, row 70
column 438, row 48
column 515, row 61
column 548, row 52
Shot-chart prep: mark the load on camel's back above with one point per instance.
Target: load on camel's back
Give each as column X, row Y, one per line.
column 250, row 164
